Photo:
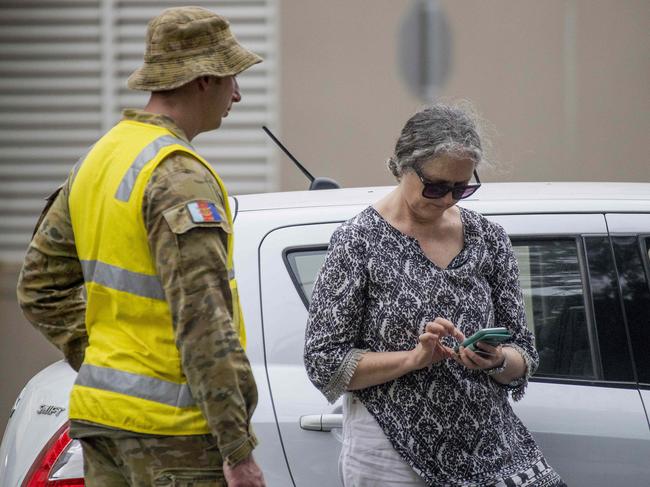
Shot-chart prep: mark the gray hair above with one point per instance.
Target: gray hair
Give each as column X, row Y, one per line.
column 434, row 131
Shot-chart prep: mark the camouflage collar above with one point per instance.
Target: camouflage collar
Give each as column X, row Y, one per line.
column 154, row 119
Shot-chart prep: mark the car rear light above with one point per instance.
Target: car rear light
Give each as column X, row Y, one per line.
column 60, row 463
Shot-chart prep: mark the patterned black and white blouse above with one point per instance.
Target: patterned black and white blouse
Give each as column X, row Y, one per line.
column 375, row 291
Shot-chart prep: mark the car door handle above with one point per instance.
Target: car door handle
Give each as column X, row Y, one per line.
column 321, row 422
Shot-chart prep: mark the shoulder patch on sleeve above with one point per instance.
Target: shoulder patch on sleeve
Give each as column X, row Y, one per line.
column 195, row 214
column 203, row 211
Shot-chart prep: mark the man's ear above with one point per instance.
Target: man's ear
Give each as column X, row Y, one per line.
column 203, row 82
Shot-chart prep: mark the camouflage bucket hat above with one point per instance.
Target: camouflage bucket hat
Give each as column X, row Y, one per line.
column 187, row 42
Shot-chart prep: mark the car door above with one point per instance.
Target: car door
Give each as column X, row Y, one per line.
column 582, row 405
column 630, row 235
column 289, row 261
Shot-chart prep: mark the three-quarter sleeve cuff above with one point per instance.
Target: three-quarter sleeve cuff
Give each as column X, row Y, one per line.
column 518, row 386
column 239, row 450
column 341, row 378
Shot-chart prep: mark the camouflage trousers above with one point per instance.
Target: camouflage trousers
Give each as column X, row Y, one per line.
column 183, row 461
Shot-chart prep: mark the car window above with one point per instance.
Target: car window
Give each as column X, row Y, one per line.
column 304, row 264
column 630, row 254
column 552, row 287
column 613, row 346
column 553, row 294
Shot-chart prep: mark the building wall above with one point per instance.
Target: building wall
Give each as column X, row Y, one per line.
column 563, row 85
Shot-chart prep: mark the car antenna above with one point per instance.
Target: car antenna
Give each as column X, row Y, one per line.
column 314, row 183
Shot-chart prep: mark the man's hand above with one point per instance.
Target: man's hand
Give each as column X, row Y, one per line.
column 245, row 474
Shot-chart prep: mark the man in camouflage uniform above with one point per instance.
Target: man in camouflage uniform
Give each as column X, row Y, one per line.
column 190, row 67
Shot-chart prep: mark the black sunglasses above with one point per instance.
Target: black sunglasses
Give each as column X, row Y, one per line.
column 438, row 190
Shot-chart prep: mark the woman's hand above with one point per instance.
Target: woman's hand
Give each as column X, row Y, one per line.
column 380, row 367
column 514, row 366
column 429, row 349
column 489, row 357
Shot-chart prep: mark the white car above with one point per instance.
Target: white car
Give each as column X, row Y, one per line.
column 585, row 272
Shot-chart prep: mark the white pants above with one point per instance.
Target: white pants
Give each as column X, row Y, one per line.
column 367, row 457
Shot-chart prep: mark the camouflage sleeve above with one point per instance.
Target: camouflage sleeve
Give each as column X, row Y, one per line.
column 50, row 284
column 191, row 261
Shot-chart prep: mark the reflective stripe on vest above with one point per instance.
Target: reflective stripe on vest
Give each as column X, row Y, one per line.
column 120, row 279
column 125, row 189
column 142, row 386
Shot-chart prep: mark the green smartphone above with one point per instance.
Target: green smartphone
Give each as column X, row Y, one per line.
column 491, row 336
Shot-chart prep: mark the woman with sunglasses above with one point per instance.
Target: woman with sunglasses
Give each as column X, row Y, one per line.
column 403, row 282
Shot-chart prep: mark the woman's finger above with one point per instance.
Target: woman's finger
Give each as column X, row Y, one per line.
column 458, row 359
column 432, row 327
column 448, row 325
column 447, row 352
column 429, row 339
column 467, row 363
column 490, row 354
column 469, row 358
column 450, row 328
column 487, row 347
column 477, row 359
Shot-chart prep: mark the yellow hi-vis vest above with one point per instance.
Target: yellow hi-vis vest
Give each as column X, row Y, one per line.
column 132, row 377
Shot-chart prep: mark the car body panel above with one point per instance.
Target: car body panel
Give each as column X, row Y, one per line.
column 492, row 198
column 628, row 222
column 595, row 436
column 645, row 397
column 34, row 420
column 312, row 455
